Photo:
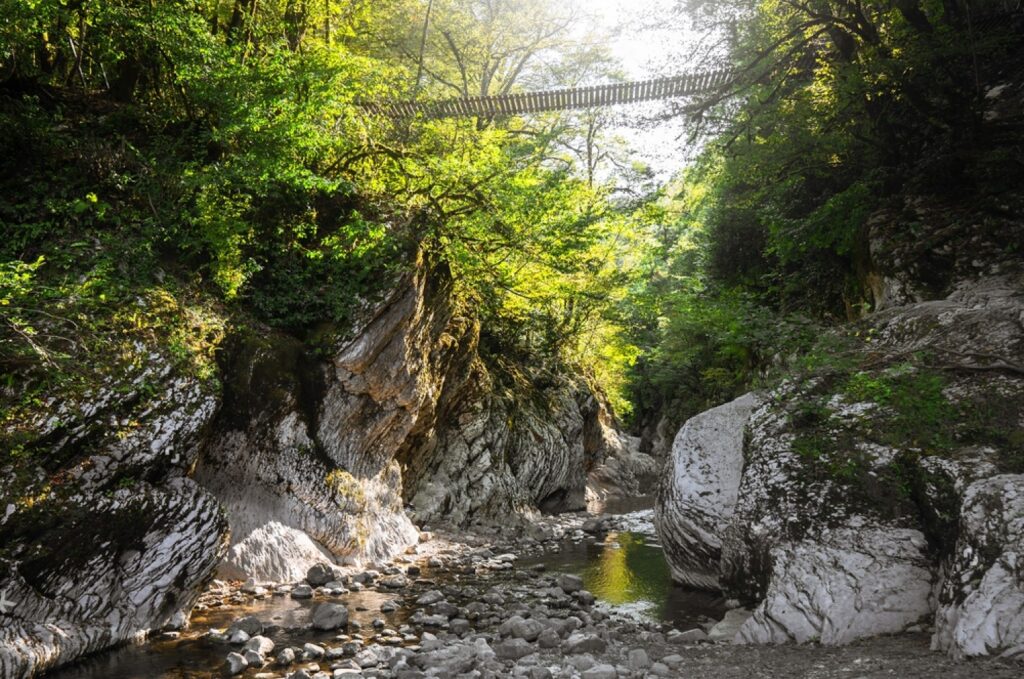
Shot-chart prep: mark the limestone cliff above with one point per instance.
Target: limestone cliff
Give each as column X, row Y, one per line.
column 146, row 488
column 876, row 493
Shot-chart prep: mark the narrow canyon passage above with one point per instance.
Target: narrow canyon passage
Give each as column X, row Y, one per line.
column 544, row 339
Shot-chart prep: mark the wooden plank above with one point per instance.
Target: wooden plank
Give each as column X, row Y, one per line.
column 558, row 99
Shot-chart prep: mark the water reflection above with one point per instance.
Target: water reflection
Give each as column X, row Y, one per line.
column 629, row 569
column 286, row 622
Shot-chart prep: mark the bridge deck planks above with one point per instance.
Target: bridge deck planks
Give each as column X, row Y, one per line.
column 686, row 84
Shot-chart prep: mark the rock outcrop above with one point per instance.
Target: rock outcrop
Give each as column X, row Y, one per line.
column 111, row 540
column 981, row 601
column 878, row 493
column 504, row 447
column 144, row 489
column 698, row 497
column 304, row 455
column 621, row 471
column 312, row 459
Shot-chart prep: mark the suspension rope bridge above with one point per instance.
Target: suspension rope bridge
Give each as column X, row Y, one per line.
column 687, row 84
column 713, row 82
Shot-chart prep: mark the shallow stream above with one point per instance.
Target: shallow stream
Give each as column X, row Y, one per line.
column 625, row 568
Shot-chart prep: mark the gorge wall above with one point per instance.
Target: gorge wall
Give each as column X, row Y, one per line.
column 148, row 488
column 877, row 490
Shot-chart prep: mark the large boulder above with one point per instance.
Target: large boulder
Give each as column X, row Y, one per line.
column 698, row 493
column 877, row 492
column 846, row 585
column 822, row 538
column 108, row 569
column 981, row 602
column 102, row 535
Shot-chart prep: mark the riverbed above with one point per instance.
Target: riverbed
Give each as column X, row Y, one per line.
column 624, row 569
column 482, row 583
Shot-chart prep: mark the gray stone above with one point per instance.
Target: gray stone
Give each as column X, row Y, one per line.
column 368, row 657
column 528, row 629
column 692, row 636
column 638, row 660
column 320, row 574
column 253, row 658
column 286, row 656
column 237, row 637
column 329, row 616
column 396, row 581
column 549, row 639
column 584, row 643
column 250, row 624
column 659, row 669
column 260, row 644
column 235, row 663
column 513, row 649
column 302, row 592
column 428, row 598
column 569, row 583
column 603, row 671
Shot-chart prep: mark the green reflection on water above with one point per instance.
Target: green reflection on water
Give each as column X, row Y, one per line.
column 629, row 569
column 635, row 572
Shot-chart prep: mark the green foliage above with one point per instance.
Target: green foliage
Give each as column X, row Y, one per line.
column 920, row 416
column 854, row 104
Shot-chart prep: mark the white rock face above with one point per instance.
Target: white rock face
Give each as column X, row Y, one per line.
column 622, row 471
column 279, row 552
column 500, row 453
column 843, row 525
column 981, row 604
column 498, row 457
column 143, row 556
column 852, row 584
column 698, row 493
column 119, row 555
